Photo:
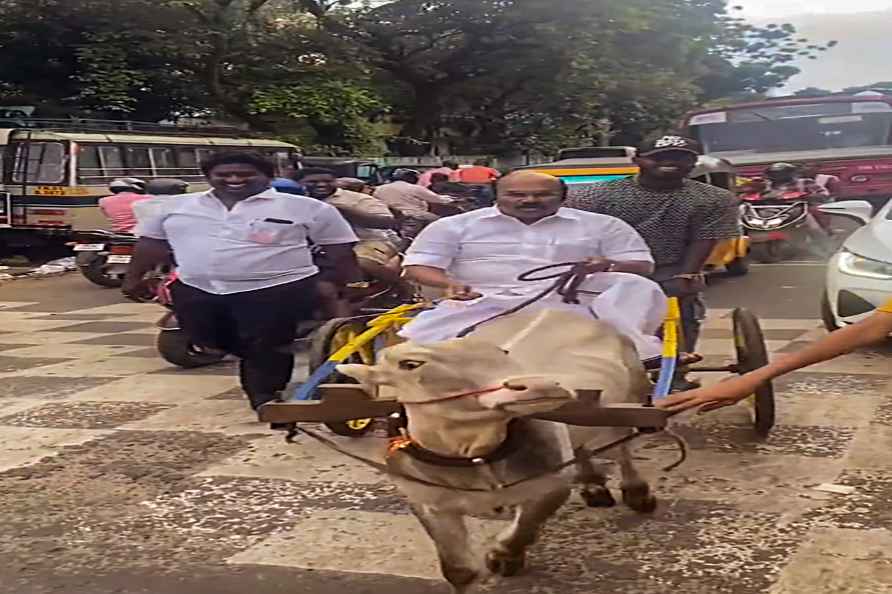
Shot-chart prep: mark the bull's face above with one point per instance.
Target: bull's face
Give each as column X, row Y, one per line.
column 431, row 373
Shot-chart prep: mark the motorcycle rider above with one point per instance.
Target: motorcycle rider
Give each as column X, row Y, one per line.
column 786, row 177
column 118, row 207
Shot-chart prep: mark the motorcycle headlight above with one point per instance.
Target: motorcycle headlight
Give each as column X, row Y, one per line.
column 856, row 265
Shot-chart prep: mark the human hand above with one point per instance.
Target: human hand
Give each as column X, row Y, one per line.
column 726, row 393
column 682, row 287
column 461, row 292
column 595, row 265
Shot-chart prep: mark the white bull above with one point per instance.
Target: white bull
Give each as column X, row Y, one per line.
column 466, row 399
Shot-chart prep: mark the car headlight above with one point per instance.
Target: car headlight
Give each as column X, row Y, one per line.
column 856, row 265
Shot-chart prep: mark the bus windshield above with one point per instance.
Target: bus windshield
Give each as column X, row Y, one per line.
column 774, row 128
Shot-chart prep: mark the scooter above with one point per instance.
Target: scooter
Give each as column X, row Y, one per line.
column 103, row 256
column 780, row 223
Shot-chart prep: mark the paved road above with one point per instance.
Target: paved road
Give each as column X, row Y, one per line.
column 121, row 474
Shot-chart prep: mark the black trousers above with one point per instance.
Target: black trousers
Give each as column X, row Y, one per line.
column 253, row 326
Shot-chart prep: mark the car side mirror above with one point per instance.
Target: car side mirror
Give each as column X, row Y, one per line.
column 857, row 210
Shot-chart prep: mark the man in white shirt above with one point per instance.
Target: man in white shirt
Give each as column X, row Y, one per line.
column 477, row 257
column 246, row 276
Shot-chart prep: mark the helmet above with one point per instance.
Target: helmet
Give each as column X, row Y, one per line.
column 127, row 183
column 164, row 186
column 288, row 186
column 402, row 174
column 782, row 172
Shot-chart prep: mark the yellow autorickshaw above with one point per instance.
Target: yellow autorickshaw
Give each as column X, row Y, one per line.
column 592, row 165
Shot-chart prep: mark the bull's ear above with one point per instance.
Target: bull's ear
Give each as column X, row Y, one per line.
column 364, row 374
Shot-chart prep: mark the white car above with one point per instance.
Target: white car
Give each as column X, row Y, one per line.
column 859, row 276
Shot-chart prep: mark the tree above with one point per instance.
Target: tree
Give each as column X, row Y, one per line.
column 812, row 92
column 745, row 58
column 881, row 87
column 486, row 75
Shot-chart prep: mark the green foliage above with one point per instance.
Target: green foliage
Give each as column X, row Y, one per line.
column 489, row 76
column 337, row 112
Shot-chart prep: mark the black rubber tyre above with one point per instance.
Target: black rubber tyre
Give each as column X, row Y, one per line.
column 827, row 314
column 93, row 270
column 749, row 342
column 769, row 252
column 738, row 267
column 321, row 348
column 175, row 348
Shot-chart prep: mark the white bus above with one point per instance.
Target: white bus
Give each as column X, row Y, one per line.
column 55, row 171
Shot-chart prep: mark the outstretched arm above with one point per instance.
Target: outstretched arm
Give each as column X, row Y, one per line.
column 866, row 332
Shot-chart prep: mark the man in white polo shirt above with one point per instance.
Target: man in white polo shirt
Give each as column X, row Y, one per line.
column 246, row 276
column 478, row 256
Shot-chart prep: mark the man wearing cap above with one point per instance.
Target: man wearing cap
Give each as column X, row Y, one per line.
column 680, row 219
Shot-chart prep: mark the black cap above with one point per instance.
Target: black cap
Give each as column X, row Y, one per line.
column 669, row 142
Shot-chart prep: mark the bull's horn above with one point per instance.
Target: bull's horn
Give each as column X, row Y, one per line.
column 364, row 374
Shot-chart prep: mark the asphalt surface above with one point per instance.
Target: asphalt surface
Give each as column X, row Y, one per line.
column 121, row 474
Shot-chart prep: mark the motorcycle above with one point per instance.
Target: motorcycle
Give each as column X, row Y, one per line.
column 779, row 223
column 103, row 256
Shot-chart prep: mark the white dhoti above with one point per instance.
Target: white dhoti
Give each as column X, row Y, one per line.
column 632, row 304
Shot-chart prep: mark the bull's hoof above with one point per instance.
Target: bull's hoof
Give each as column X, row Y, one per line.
column 640, row 499
column 459, row 577
column 597, row 497
column 505, row 565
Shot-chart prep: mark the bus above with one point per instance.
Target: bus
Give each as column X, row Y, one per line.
column 849, row 137
column 55, row 171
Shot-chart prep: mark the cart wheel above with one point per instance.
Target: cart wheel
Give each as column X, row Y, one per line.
column 752, row 354
column 333, row 335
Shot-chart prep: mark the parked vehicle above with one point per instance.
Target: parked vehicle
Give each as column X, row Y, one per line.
column 859, row 275
column 103, row 256
column 55, row 171
column 780, row 224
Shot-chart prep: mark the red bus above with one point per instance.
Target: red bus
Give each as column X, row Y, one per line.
column 846, row 136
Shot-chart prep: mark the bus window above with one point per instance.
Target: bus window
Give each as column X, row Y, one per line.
column 112, row 163
column 98, row 164
column 204, row 154
column 139, row 164
column 366, row 171
column 46, row 162
column 163, row 161
column 187, row 160
column 89, row 168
